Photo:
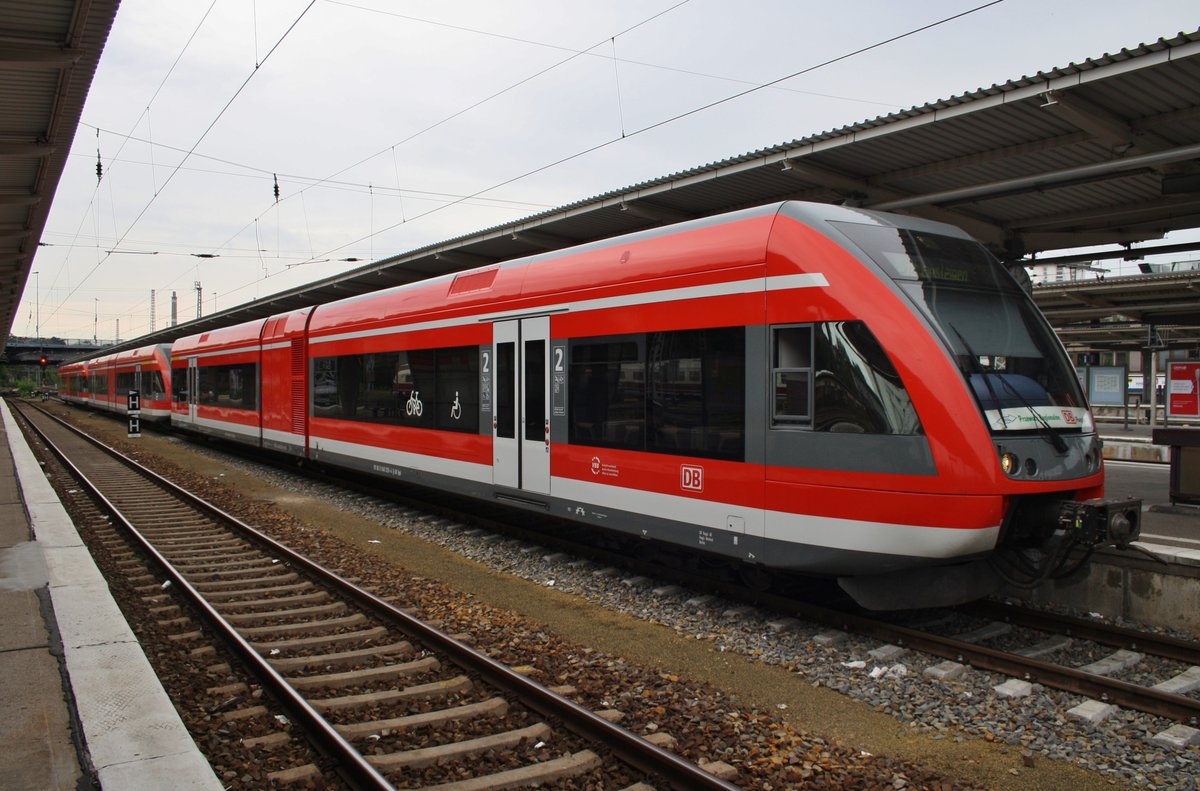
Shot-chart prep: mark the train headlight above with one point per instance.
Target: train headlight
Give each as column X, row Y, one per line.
column 1009, row 463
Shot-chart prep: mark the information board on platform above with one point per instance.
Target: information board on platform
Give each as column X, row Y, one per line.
column 1106, row 385
column 1183, row 389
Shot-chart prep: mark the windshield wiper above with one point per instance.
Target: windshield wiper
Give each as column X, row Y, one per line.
column 1045, row 430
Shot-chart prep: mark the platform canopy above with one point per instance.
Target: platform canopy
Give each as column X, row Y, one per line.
column 1102, row 152
column 48, row 55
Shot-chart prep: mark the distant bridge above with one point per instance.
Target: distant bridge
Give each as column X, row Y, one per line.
column 28, row 351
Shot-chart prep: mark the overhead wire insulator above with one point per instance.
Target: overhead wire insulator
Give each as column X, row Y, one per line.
column 276, row 177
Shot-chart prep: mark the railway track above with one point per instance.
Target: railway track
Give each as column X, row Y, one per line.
column 1030, row 657
column 388, row 699
column 1005, row 638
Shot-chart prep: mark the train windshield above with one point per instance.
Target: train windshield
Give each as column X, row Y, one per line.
column 1007, row 352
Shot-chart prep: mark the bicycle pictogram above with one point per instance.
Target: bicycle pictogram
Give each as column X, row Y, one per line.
column 413, row 406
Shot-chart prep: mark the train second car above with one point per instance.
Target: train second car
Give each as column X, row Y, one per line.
column 798, row 386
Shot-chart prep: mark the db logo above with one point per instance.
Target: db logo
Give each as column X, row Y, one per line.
column 691, row 478
column 1069, row 417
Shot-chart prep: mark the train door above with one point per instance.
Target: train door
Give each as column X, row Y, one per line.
column 521, row 417
column 137, row 381
column 193, row 388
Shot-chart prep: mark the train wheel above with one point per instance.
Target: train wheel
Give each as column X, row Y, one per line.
column 754, row 577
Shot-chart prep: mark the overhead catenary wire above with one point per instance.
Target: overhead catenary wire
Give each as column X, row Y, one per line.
column 329, row 254
column 617, row 80
column 199, row 140
column 688, row 113
column 361, row 187
column 590, row 52
column 479, row 194
column 574, row 54
column 93, row 205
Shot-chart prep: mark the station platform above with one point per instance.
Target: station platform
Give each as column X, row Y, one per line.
column 1131, row 441
column 80, row 706
column 1163, row 523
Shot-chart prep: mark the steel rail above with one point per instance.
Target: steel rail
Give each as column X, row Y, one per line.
column 1152, row 701
column 628, row 746
column 1118, row 636
column 351, row 762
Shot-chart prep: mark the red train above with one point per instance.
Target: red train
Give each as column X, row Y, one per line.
column 799, row 386
column 104, row 382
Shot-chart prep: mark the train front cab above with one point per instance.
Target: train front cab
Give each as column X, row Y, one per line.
column 1015, row 455
column 147, row 371
column 216, row 383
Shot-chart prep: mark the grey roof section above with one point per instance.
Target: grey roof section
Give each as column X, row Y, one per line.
column 48, row 55
column 1106, row 151
column 1125, row 313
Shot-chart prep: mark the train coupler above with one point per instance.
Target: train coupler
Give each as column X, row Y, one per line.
column 1099, row 522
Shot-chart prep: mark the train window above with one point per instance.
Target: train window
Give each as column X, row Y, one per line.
column 916, row 255
column 856, row 388
column 99, row 383
column 458, row 389
column 535, row 390
column 607, row 386
column 124, row 382
column 232, row 386
column 681, row 392
column 179, row 384
column 506, row 390
column 696, row 405
column 791, row 376
column 424, row 388
column 836, row 377
column 152, row 382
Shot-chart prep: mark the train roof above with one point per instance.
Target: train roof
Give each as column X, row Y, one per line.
column 129, row 356
column 222, row 338
column 689, row 247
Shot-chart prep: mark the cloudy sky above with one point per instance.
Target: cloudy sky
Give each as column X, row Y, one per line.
column 389, row 125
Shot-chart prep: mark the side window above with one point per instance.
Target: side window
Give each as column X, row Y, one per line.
column 424, row 388
column 458, row 389
column 607, row 381
column 791, row 376
column 681, row 393
column 179, row 384
column 697, row 399
column 155, row 385
column 231, row 386
column 857, row 389
column 835, row 377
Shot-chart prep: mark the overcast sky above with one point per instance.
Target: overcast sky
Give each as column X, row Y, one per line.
column 394, row 125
